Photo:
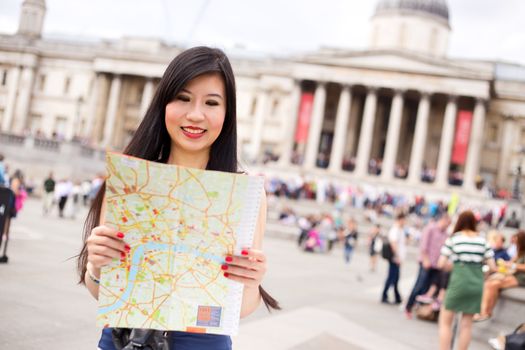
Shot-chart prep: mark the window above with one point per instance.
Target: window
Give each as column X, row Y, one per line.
column 254, row 106
column 4, row 77
column 433, row 42
column 41, row 82
column 492, row 133
column 60, row 127
column 35, row 123
column 275, row 107
column 67, row 85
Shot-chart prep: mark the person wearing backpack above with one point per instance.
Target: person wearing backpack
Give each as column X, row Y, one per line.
column 397, row 243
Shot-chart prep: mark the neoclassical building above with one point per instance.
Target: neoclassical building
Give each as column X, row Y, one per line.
column 401, row 111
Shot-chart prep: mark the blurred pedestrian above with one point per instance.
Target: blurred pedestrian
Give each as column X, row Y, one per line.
column 350, row 239
column 49, row 193
column 63, row 190
column 466, row 250
column 397, row 242
column 432, row 239
column 3, row 180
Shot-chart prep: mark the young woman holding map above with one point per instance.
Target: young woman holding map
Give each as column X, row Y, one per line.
column 191, row 123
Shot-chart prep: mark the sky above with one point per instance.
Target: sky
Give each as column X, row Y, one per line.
column 481, row 29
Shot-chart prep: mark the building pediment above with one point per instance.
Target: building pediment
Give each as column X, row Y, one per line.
column 404, row 62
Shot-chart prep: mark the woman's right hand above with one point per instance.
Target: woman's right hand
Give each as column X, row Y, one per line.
column 105, row 244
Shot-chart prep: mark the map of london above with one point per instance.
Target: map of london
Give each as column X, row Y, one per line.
column 180, row 224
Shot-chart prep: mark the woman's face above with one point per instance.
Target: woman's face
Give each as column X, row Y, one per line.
column 195, row 117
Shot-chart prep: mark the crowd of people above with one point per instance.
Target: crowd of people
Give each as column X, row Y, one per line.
column 385, row 203
column 451, row 278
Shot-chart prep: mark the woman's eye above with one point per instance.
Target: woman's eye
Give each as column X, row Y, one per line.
column 212, row 103
column 183, row 98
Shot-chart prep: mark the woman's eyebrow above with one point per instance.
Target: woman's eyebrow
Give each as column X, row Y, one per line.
column 215, row 95
column 211, row 95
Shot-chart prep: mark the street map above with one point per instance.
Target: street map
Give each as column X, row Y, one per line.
column 180, row 224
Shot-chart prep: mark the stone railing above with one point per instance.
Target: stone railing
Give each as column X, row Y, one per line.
column 38, row 156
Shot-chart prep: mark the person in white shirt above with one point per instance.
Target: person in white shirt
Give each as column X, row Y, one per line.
column 397, row 241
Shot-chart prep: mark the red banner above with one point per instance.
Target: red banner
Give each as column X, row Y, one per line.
column 303, row 120
column 463, row 124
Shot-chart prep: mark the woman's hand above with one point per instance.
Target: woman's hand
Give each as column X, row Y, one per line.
column 105, row 244
column 248, row 268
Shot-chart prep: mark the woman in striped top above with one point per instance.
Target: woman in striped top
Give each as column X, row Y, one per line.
column 467, row 252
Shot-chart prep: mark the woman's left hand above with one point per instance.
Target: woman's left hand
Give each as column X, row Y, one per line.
column 248, row 268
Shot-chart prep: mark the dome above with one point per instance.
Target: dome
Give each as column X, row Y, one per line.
column 436, row 8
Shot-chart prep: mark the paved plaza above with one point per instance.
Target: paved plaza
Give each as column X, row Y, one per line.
column 326, row 304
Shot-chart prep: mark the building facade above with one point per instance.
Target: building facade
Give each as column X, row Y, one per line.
column 400, row 111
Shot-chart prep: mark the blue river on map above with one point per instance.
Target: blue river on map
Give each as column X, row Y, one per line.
column 137, row 258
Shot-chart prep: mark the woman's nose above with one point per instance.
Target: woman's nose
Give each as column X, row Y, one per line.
column 195, row 114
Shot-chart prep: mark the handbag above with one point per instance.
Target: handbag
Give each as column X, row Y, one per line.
column 135, row 339
column 516, row 340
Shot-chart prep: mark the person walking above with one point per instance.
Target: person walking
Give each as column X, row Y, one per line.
column 350, row 239
column 196, row 96
column 397, row 241
column 466, row 250
column 432, row 239
column 49, row 193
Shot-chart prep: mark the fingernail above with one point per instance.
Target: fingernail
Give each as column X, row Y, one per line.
column 122, row 255
column 127, row 247
column 226, row 274
column 224, row 267
column 229, row 259
column 120, row 235
column 244, row 252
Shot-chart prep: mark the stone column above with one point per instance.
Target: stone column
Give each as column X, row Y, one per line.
column 260, row 114
column 447, row 139
column 420, row 138
column 474, row 147
column 392, row 137
column 289, row 133
column 24, row 99
column 92, row 106
column 314, row 133
column 365, row 135
column 341, row 129
column 147, row 95
column 111, row 115
column 14, row 77
column 507, row 143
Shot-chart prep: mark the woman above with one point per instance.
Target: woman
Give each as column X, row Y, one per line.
column 515, row 278
column 467, row 251
column 191, row 122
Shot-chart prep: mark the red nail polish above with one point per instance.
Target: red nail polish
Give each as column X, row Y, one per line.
column 226, row 274
column 244, row 252
column 224, row 267
column 120, row 235
column 122, row 255
column 127, row 247
column 229, row 259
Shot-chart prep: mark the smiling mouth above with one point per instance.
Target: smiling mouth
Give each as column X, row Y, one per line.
column 192, row 130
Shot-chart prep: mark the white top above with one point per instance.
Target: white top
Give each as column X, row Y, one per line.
column 397, row 235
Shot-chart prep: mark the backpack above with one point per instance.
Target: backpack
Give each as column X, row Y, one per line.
column 386, row 250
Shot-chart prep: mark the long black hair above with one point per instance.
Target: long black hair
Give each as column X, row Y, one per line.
column 152, row 142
